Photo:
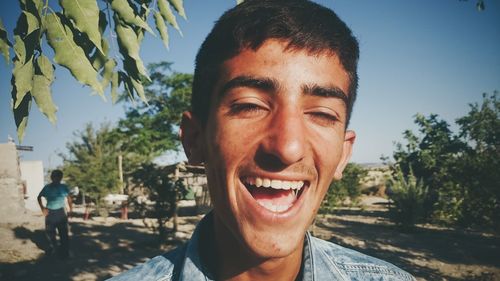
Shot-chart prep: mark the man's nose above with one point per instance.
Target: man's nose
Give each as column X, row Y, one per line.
column 285, row 138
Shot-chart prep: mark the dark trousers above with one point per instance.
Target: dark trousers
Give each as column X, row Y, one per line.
column 57, row 219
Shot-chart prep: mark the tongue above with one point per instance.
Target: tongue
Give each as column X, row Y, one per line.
column 273, row 196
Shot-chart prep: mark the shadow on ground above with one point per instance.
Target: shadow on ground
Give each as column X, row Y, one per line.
column 411, row 250
column 101, row 249
column 98, row 250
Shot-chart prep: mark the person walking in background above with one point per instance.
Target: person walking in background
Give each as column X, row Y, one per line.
column 55, row 214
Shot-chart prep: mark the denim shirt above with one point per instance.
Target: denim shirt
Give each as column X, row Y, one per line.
column 322, row 260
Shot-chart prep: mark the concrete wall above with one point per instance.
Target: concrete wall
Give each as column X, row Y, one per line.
column 32, row 177
column 11, row 188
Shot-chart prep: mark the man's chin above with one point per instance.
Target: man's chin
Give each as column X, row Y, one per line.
column 273, row 245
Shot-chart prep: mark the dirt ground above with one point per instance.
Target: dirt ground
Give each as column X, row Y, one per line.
column 102, row 247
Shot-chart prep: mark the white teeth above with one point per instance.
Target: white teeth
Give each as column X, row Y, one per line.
column 300, row 184
column 274, row 208
column 258, row 182
column 266, row 182
column 276, row 184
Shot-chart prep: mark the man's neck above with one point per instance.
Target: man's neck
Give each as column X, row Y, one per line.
column 236, row 263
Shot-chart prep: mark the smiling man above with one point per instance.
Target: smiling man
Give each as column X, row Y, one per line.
column 274, row 86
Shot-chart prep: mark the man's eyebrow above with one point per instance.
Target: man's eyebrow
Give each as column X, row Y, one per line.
column 328, row 92
column 260, row 83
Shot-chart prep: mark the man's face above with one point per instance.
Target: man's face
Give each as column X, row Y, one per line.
column 274, row 140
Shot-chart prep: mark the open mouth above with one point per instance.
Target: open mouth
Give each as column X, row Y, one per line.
column 275, row 195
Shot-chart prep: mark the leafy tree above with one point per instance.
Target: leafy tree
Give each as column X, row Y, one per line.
column 459, row 169
column 433, row 156
column 164, row 190
column 480, row 164
column 146, row 132
column 91, row 162
column 408, row 197
column 348, row 187
column 151, row 129
column 80, row 33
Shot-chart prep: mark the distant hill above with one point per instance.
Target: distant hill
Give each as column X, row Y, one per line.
column 373, row 165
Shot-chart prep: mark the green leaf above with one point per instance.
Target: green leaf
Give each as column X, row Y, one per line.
column 85, row 15
column 32, row 6
column 103, row 23
column 19, row 49
column 179, row 7
column 32, row 21
column 108, row 72
column 26, row 36
column 21, row 116
column 5, row 44
column 44, row 76
column 22, row 77
column 45, row 66
column 137, row 84
column 123, row 9
column 98, row 59
column 239, row 2
column 133, row 84
column 167, row 14
column 114, row 87
column 133, row 79
column 162, row 28
column 129, row 88
column 69, row 54
column 129, row 45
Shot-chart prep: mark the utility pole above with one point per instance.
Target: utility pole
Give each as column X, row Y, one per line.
column 124, row 210
column 120, row 172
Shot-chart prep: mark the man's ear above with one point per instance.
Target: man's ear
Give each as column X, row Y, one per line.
column 192, row 138
column 349, row 138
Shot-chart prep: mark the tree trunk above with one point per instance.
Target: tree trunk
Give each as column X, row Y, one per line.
column 86, row 214
column 175, row 217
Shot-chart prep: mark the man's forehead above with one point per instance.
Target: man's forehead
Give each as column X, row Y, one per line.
column 259, row 66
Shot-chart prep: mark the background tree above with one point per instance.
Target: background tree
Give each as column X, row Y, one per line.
column 349, row 187
column 433, row 156
column 147, row 131
column 91, row 162
column 480, row 164
column 165, row 191
column 408, row 197
column 151, row 129
column 460, row 169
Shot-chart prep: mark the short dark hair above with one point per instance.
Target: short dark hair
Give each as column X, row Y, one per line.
column 303, row 24
column 56, row 174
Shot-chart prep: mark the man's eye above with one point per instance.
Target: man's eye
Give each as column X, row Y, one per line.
column 323, row 118
column 244, row 108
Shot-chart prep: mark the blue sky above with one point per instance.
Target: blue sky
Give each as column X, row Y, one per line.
column 419, row 56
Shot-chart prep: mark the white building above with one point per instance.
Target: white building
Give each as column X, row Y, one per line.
column 32, row 177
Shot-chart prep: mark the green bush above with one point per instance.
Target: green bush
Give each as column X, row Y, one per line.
column 408, row 196
column 348, row 187
column 460, row 169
